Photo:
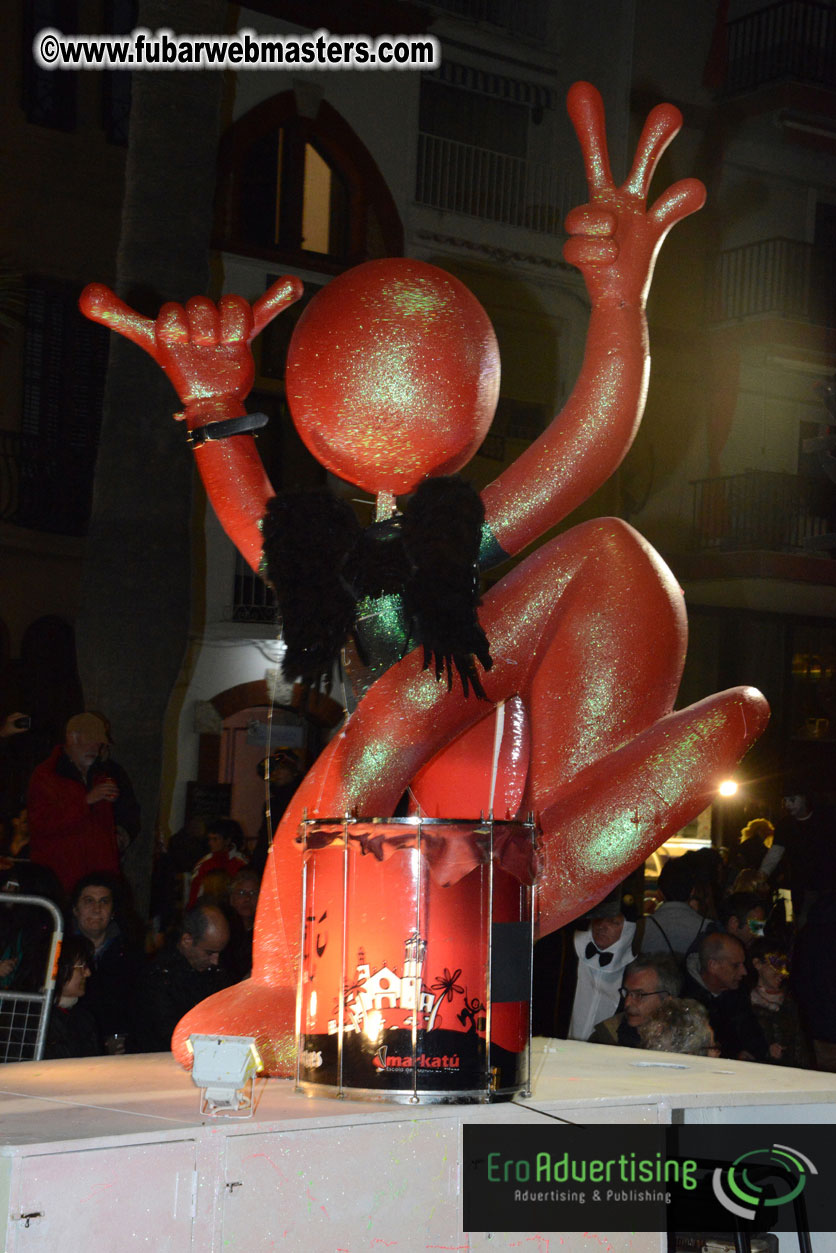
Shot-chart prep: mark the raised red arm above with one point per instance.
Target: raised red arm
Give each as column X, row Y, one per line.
column 205, row 351
column 614, row 241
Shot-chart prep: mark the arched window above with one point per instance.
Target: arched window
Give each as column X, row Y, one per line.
column 302, row 190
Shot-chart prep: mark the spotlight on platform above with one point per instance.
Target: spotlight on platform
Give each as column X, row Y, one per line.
column 225, row 1067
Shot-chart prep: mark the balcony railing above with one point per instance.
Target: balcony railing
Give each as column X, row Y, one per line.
column 491, row 185
column 763, row 510
column 782, row 277
column 252, row 599
column 45, row 484
column 794, row 39
column 528, row 19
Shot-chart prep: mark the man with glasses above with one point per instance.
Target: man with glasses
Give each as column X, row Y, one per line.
column 243, row 898
column 648, row 982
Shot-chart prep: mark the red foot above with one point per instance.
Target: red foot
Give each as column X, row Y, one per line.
column 248, row 1008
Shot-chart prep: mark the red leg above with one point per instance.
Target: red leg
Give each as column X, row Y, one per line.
column 590, row 631
column 613, row 815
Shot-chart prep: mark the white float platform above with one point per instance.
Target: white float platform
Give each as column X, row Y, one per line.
column 111, row 1155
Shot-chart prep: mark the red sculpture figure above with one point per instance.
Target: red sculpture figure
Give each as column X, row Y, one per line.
column 587, row 634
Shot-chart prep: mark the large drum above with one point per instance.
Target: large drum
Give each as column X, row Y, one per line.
column 416, row 959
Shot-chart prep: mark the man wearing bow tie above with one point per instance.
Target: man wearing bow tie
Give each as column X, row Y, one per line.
column 603, row 950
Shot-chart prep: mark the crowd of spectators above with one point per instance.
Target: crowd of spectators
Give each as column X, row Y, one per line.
column 121, row 986
column 736, row 960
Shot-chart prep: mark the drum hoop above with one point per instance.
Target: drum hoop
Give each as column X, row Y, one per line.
column 411, row 1096
column 414, row 820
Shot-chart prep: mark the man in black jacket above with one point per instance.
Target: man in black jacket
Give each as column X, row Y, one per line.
column 807, row 833
column 181, row 976
column 714, row 975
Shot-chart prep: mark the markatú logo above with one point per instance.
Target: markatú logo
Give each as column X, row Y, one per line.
column 383, row 1060
column 789, row 1165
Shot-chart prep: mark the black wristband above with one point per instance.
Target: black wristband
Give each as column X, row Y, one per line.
column 221, row 430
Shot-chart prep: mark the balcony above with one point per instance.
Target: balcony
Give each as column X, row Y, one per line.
column 528, row 20
column 765, row 511
column 252, row 599
column 479, row 183
column 45, row 485
column 783, row 278
column 794, row 40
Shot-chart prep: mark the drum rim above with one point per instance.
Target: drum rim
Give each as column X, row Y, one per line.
column 412, row 1096
column 414, row 820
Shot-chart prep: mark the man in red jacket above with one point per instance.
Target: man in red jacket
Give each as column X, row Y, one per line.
column 71, row 797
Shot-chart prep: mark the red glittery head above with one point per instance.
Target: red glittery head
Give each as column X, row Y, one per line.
column 393, row 374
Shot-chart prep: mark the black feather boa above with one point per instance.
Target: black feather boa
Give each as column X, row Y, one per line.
column 321, row 562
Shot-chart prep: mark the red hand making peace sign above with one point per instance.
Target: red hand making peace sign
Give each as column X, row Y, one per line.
column 615, row 237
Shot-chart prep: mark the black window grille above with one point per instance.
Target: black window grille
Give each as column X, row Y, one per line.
column 120, row 19
column 49, row 96
column 64, row 365
column 793, row 39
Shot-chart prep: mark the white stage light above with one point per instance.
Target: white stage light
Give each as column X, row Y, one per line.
column 225, row 1067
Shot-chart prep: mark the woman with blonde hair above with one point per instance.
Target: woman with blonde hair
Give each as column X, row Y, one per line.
column 754, row 843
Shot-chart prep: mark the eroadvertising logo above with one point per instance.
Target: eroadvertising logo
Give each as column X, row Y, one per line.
column 741, row 1194
column 556, row 1177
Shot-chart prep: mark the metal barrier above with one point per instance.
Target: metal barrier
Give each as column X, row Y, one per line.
column 24, row 1016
